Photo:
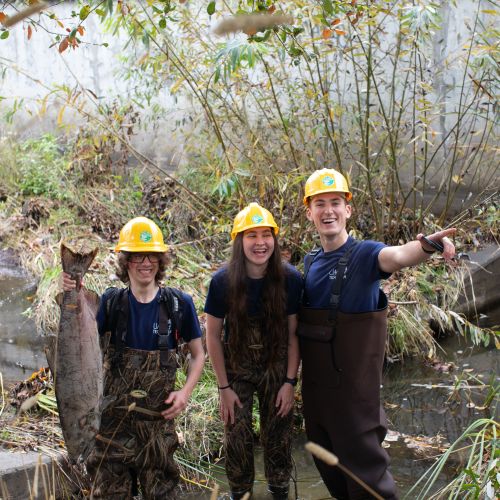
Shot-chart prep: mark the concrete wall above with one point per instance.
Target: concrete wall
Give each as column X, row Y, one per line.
column 31, row 69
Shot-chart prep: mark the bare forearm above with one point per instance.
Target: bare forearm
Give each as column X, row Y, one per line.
column 215, row 349
column 195, row 367
column 217, row 360
column 398, row 257
column 394, row 258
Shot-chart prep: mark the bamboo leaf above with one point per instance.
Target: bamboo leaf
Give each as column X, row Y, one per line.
column 328, row 6
column 84, row 12
column 60, row 115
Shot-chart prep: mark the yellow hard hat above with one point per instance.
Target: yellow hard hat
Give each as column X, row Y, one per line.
column 252, row 216
column 140, row 235
column 326, row 180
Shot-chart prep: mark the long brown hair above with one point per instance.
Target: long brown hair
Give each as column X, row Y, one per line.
column 122, row 267
column 273, row 300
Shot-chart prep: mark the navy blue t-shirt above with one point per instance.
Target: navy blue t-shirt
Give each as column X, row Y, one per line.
column 360, row 290
column 143, row 321
column 216, row 303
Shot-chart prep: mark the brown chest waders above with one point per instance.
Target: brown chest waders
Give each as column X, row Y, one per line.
column 253, row 375
column 135, row 442
column 342, row 358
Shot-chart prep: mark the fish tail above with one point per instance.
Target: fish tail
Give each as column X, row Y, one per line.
column 76, row 263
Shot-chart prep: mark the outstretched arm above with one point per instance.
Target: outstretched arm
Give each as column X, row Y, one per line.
column 392, row 259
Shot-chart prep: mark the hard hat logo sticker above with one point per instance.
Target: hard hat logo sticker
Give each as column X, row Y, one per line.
column 145, row 236
column 328, row 181
column 257, row 219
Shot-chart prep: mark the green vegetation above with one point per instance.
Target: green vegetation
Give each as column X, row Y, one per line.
column 478, row 477
column 354, row 85
column 42, row 168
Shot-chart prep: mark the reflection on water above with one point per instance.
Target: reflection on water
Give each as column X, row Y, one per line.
column 20, row 347
column 423, row 402
column 420, row 401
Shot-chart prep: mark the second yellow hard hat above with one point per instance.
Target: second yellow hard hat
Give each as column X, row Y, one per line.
column 326, row 180
column 253, row 215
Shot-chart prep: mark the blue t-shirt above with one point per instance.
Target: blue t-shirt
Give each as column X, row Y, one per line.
column 360, row 290
column 144, row 319
column 216, row 303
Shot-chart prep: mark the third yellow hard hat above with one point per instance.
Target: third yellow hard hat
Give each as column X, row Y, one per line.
column 326, row 180
column 252, row 216
column 140, row 235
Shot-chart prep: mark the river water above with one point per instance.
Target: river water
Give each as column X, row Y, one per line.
column 420, row 401
column 21, row 350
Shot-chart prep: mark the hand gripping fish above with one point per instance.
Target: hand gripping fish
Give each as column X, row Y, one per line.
column 77, row 360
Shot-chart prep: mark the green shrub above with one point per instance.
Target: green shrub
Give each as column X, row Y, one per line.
column 42, row 168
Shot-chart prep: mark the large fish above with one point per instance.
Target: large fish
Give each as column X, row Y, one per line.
column 76, row 360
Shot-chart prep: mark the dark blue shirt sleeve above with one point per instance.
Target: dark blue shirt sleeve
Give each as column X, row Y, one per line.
column 216, row 302
column 374, row 249
column 293, row 289
column 101, row 316
column 190, row 328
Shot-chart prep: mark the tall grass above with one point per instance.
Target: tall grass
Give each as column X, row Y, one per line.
column 478, row 476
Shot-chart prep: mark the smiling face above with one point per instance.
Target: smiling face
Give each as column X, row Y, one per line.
column 142, row 273
column 329, row 213
column 258, row 246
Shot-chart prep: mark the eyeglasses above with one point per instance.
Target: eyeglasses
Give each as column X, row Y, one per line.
column 139, row 258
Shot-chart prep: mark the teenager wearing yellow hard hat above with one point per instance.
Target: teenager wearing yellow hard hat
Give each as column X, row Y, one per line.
column 342, row 335
column 255, row 296
column 143, row 324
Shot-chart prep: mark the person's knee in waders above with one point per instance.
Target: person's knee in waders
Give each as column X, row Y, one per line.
column 251, row 320
column 141, row 326
column 342, row 331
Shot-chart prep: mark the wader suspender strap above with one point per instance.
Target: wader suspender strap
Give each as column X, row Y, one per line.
column 335, row 296
column 165, row 327
column 119, row 304
column 338, row 282
column 308, row 260
column 170, row 318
